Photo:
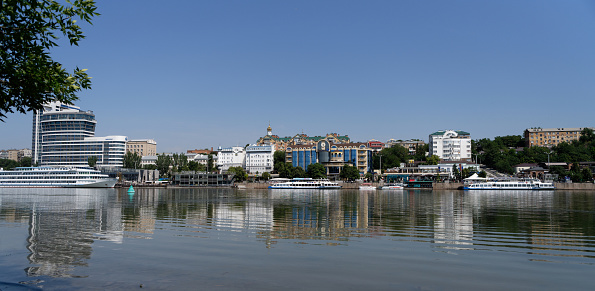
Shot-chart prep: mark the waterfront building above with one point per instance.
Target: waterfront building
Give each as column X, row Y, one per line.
column 450, row 145
column 9, row 155
column 188, row 179
column 375, row 146
column 411, row 145
column 259, row 159
column 281, row 143
column 142, row 147
column 552, row 136
column 148, row 160
column 64, row 135
column 332, row 156
column 230, row 157
column 443, row 170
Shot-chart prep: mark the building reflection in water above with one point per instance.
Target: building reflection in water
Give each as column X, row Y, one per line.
column 64, row 223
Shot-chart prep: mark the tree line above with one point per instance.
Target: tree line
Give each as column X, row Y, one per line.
column 503, row 153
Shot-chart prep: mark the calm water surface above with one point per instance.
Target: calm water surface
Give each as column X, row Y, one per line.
column 227, row 239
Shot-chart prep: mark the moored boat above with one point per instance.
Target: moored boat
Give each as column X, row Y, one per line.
column 32, row 177
column 367, row 186
column 306, row 183
column 477, row 183
column 392, row 186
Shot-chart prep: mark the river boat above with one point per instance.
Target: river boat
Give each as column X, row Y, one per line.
column 392, row 186
column 306, row 183
column 477, row 183
column 47, row 177
column 367, row 186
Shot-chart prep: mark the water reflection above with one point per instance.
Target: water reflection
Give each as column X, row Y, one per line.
column 64, row 223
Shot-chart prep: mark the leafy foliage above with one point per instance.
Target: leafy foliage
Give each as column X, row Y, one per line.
column 266, row 176
column 287, row 170
column 349, row 173
column 502, row 154
column 391, row 157
column 239, row 172
column 163, row 162
column 8, row 164
column 92, row 161
column 132, row 160
column 29, row 77
column 316, row 171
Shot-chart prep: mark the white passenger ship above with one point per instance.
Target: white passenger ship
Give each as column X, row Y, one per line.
column 305, row 183
column 477, row 183
column 55, row 177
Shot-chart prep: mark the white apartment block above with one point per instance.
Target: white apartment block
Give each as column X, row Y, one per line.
column 231, row 157
column 259, row 159
column 450, row 145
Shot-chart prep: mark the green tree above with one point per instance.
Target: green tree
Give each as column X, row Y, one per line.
column 278, row 157
column 25, row 162
column 210, row 163
column 193, row 166
column 298, row 172
column 8, row 164
column 163, row 162
column 316, row 171
column 92, row 161
column 266, row 176
column 239, row 172
column 132, row 160
column 29, row 77
column 349, row 173
column 180, row 162
column 433, row 160
column 150, row 167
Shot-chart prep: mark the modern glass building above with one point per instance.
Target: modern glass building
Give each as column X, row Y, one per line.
column 64, row 135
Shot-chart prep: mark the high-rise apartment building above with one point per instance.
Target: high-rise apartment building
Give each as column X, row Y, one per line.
column 451, row 145
column 64, row 135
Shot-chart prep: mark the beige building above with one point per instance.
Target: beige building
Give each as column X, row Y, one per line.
column 552, row 136
column 15, row 155
column 142, row 147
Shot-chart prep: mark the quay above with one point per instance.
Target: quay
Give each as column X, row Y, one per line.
column 347, row 185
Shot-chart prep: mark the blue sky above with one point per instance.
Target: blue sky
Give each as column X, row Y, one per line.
column 201, row 74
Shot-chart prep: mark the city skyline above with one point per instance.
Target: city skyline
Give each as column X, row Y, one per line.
column 209, row 74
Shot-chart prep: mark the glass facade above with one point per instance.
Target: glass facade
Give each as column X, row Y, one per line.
column 64, row 136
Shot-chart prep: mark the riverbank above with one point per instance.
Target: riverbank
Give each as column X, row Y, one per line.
column 435, row 186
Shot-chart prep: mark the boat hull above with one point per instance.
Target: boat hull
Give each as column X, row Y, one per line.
column 107, row 183
column 304, row 187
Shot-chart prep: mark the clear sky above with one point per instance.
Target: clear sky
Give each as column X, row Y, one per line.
column 200, row 74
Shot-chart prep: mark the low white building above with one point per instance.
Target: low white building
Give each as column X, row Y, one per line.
column 259, row 159
column 230, row 157
column 451, row 145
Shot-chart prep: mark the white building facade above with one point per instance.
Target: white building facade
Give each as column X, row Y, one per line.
column 64, row 135
column 259, row 159
column 450, row 145
column 230, row 157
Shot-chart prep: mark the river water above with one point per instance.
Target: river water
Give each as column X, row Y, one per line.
column 231, row 239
